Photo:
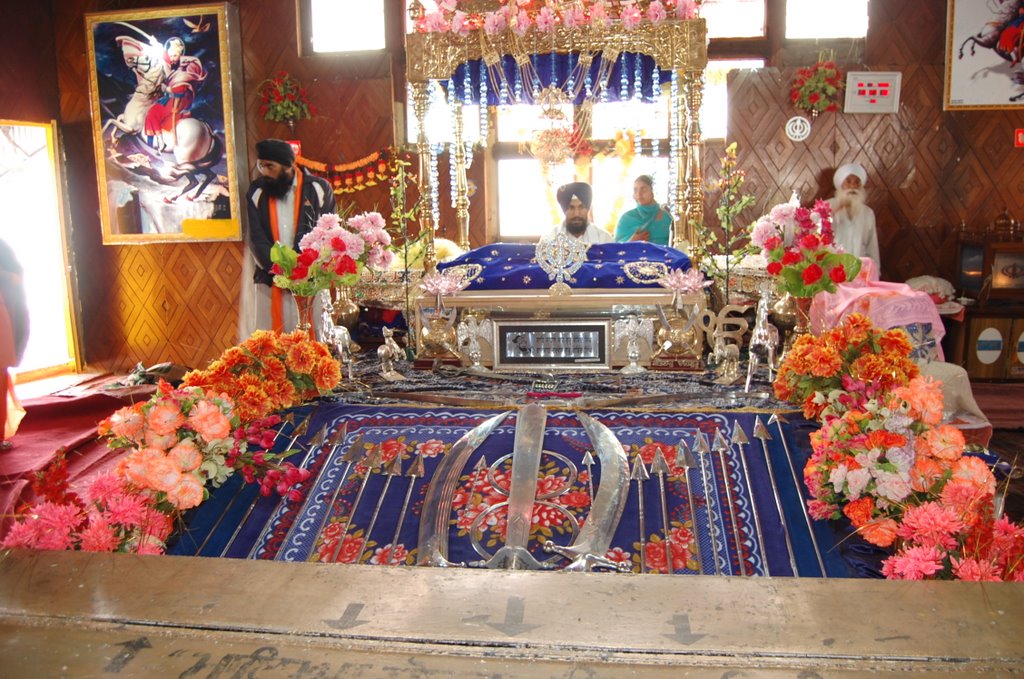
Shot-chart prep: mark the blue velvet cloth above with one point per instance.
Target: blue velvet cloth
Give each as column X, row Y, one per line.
column 511, row 266
column 730, row 492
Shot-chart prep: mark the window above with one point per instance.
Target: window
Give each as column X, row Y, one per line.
column 525, row 189
column 735, row 18
column 346, row 26
column 814, row 19
column 714, row 110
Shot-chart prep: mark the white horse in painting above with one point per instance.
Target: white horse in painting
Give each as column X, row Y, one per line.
column 194, row 146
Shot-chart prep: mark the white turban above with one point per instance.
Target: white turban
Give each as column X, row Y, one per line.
column 845, row 171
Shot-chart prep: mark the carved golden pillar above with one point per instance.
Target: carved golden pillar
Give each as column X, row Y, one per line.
column 461, row 188
column 694, row 92
column 420, row 105
column 680, row 230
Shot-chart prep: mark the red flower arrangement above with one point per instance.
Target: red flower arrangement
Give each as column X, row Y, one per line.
column 817, row 88
column 283, row 98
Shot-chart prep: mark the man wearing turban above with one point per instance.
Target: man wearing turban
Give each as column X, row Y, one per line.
column 282, row 204
column 575, row 199
column 852, row 220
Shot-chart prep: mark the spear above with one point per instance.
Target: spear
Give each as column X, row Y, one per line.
column 297, row 431
column 722, row 446
column 390, row 470
column 313, row 443
column 354, row 453
column 704, row 449
column 685, row 461
column 761, row 433
column 415, row 471
column 286, row 420
column 372, row 462
column 739, row 439
column 660, row 469
column 778, row 420
column 335, row 440
column 639, row 474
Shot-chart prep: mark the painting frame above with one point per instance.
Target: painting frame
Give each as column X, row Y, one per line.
column 168, row 125
column 980, row 72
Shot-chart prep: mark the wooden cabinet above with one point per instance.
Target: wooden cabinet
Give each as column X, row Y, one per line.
column 989, row 343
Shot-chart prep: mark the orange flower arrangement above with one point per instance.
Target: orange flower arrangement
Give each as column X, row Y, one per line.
column 829, row 373
column 884, row 460
column 270, row 372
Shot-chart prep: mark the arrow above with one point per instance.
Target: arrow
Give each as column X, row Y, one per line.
column 348, row 619
column 124, row 657
column 513, row 624
column 683, row 634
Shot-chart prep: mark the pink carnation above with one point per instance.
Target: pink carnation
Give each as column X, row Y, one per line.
column 931, row 525
column 656, row 11
column 546, row 20
column 208, row 421
column 494, row 22
column 976, row 570
column 187, row 493
column 916, row 563
column 165, row 418
column 98, row 535
column 630, row 16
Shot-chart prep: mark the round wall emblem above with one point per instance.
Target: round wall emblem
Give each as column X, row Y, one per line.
column 798, row 128
column 989, row 346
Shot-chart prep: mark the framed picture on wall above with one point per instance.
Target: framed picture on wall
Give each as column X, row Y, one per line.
column 983, row 54
column 168, row 123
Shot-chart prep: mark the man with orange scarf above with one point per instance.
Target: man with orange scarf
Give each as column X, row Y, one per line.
column 283, row 205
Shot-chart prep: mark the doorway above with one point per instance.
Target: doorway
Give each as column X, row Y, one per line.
column 32, row 224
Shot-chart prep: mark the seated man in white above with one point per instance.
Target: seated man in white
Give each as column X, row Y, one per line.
column 575, row 199
column 853, row 222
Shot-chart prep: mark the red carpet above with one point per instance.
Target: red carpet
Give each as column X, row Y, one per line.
column 1002, row 403
column 52, row 422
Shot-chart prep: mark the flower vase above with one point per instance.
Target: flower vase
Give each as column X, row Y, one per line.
column 304, row 306
column 290, row 122
column 346, row 311
column 791, row 315
column 803, row 315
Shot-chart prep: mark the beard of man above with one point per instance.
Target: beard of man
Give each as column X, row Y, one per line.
column 278, row 188
column 851, row 201
column 576, row 226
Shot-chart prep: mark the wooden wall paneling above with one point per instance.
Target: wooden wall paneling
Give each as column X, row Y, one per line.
column 28, row 82
column 928, row 168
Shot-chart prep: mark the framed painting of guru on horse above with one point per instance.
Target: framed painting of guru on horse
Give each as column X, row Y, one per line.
column 984, row 46
column 165, row 85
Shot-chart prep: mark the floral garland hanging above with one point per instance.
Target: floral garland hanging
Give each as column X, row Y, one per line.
column 366, row 172
column 818, row 87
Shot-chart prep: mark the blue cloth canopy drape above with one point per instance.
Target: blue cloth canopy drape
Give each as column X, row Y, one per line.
column 632, row 75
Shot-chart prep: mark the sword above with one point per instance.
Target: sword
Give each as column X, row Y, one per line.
column 526, row 453
column 606, row 509
column 433, row 534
